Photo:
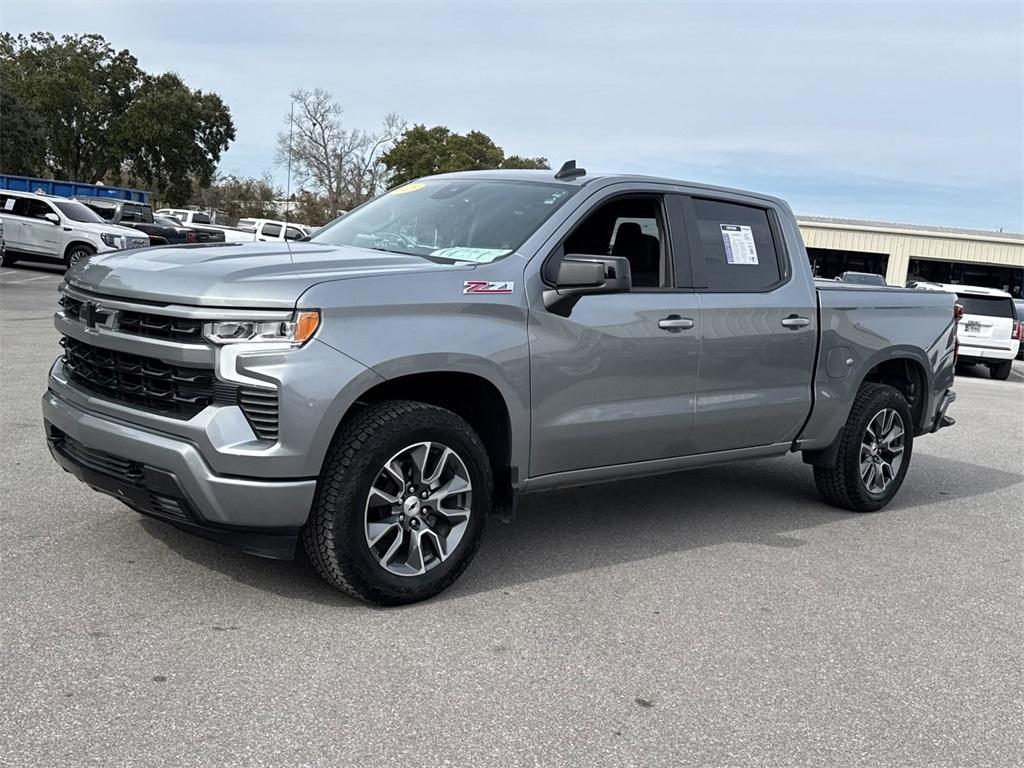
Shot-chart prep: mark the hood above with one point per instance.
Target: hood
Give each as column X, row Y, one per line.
column 106, row 229
column 254, row 275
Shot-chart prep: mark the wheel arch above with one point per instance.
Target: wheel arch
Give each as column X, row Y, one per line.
column 902, row 369
column 471, row 396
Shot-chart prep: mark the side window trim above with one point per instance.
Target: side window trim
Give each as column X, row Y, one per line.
column 696, row 247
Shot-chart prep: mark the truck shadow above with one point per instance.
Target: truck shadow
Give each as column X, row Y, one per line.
column 765, row 503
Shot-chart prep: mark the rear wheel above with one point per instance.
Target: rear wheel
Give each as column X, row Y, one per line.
column 6, row 259
column 874, row 452
column 1001, row 370
column 401, row 503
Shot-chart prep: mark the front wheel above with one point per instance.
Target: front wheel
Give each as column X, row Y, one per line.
column 874, row 452
column 1002, row 370
column 401, row 503
column 76, row 252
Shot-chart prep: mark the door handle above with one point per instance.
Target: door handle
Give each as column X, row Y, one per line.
column 795, row 321
column 675, row 323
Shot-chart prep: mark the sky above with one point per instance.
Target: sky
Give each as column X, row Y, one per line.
column 904, row 112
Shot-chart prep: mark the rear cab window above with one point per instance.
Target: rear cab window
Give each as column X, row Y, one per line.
column 737, row 249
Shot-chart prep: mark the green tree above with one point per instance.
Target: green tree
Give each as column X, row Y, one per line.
column 172, row 136
column 22, row 140
column 78, row 86
column 424, row 151
column 100, row 116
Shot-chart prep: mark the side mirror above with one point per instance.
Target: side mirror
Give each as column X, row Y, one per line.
column 51, row 217
column 585, row 275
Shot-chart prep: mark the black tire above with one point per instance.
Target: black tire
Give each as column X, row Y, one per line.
column 842, row 485
column 1002, row 370
column 334, row 537
column 76, row 252
column 6, row 259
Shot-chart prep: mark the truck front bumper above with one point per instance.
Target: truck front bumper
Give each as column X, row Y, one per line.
column 167, row 478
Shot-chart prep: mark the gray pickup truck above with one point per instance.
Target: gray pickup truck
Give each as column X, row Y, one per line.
column 464, row 339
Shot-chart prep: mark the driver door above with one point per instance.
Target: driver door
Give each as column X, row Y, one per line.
column 615, row 381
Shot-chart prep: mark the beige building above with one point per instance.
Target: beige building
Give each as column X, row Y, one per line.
column 905, row 252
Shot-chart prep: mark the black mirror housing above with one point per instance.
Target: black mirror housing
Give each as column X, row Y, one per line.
column 586, row 275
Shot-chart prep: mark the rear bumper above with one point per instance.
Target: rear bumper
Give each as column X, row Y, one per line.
column 167, row 478
column 971, row 353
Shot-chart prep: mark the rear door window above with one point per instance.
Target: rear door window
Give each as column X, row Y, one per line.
column 271, row 230
column 987, row 306
column 737, row 246
column 13, row 206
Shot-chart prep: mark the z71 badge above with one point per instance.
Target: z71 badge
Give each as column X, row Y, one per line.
column 486, row 286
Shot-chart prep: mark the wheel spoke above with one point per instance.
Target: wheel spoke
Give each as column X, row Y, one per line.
column 414, row 559
column 385, row 559
column 438, row 544
column 384, row 497
column 377, row 531
column 395, row 471
column 419, row 456
column 435, row 475
column 453, row 487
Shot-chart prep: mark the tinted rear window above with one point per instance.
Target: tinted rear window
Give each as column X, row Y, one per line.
column 988, row 306
column 739, row 250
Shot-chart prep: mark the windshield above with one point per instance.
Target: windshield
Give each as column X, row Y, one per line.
column 474, row 220
column 77, row 212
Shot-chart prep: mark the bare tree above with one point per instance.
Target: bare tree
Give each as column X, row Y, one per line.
column 342, row 164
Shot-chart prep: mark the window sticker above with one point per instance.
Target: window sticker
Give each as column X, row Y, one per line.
column 9, row 203
column 407, row 188
column 478, row 255
column 739, row 244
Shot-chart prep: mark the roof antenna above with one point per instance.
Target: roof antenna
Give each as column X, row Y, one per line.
column 570, row 171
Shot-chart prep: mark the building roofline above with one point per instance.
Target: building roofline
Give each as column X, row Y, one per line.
column 911, row 229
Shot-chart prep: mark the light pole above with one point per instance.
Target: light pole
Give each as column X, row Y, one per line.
column 288, row 191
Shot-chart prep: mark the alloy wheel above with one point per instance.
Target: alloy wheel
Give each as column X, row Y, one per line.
column 881, row 450
column 418, row 508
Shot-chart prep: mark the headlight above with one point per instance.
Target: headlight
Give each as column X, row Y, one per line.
column 296, row 331
column 112, row 241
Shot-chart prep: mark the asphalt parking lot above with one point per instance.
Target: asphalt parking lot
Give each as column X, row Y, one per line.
column 721, row 617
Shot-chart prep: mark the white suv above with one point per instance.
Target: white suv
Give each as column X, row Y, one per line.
column 988, row 332
column 56, row 229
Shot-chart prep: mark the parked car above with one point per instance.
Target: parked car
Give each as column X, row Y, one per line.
column 988, row 331
column 201, row 222
column 862, row 278
column 57, row 229
column 189, row 233
column 265, row 230
column 135, row 215
column 1018, row 306
column 468, row 338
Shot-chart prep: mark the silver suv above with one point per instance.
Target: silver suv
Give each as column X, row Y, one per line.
column 464, row 339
